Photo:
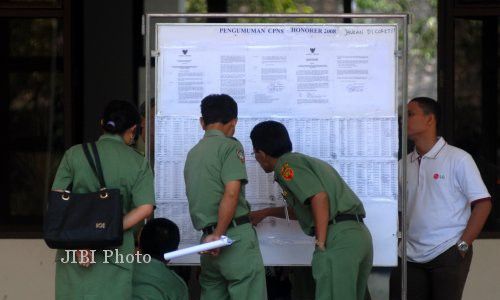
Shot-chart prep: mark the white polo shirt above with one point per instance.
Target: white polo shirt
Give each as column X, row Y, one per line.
column 441, row 189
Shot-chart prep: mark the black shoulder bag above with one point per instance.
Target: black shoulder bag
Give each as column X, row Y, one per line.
column 84, row 221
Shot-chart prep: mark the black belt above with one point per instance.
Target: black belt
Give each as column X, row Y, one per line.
column 348, row 217
column 341, row 218
column 235, row 222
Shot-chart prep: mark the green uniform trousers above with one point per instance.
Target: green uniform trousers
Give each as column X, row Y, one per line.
column 100, row 281
column 237, row 273
column 341, row 271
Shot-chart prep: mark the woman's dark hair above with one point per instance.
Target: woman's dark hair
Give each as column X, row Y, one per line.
column 272, row 138
column 218, row 108
column 159, row 236
column 118, row 116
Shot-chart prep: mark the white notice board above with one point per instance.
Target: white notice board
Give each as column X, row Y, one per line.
column 334, row 87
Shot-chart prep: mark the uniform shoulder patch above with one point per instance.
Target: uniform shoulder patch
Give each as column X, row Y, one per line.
column 286, row 172
column 241, row 155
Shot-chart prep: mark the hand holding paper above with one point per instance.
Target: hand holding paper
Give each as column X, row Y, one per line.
column 222, row 242
column 211, row 238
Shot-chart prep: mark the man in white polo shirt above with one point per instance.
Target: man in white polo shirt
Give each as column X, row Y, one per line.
column 447, row 207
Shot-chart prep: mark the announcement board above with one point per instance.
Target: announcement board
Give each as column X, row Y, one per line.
column 332, row 85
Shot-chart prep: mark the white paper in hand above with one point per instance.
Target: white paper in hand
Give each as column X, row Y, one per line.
column 222, row 242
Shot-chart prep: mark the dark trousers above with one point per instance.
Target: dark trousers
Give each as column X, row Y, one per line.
column 441, row 278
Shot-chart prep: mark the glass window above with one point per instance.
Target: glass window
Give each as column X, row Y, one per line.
column 468, row 81
column 476, row 105
column 422, row 40
column 33, row 119
column 30, row 3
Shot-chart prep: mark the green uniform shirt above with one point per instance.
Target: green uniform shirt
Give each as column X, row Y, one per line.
column 123, row 168
column 301, row 177
column 155, row 281
column 210, row 165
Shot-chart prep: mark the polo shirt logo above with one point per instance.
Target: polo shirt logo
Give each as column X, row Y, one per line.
column 437, row 176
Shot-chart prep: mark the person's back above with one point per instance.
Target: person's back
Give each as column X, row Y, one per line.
column 97, row 275
column 325, row 207
column 117, row 174
column 215, row 176
column 154, row 280
column 122, row 168
column 341, row 196
column 206, row 165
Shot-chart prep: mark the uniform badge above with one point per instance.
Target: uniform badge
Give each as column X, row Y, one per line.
column 241, row 155
column 286, row 172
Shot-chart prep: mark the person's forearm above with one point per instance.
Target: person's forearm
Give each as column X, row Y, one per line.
column 477, row 219
column 136, row 215
column 321, row 215
column 227, row 209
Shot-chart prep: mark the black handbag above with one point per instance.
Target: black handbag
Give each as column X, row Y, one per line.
column 84, row 221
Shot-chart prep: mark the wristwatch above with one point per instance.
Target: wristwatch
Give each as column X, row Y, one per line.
column 463, row 246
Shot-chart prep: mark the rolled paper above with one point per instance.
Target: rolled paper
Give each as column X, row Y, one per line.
column 222, row 242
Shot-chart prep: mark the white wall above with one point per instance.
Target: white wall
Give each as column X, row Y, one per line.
column 27, row 270
column 484, row 275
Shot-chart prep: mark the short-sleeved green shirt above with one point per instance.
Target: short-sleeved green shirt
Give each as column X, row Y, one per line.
column 301, row 177
column 154, row 280
column 122, row 167
column 210, row 165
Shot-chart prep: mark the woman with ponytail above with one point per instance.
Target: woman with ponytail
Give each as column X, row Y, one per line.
column 106, row 274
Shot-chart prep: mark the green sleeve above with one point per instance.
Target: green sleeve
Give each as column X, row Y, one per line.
column 143, row 188
column 181, row 294
column 64, row 175
column 233, row 166
column 146, row 292
column 300, row 180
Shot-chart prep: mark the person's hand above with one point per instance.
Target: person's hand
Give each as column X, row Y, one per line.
column 211, row 238
column 84, row 257
column 320, row 245
column 257, row 216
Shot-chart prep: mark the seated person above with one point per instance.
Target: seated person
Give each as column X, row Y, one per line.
column 154, row 280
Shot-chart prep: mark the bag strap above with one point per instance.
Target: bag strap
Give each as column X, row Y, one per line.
column 97, row 171
column 98, row 164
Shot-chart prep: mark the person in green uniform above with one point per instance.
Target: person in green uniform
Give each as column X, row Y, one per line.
column 215, row 177
column 325, row 207
column 97, row 275
column 154, row 280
